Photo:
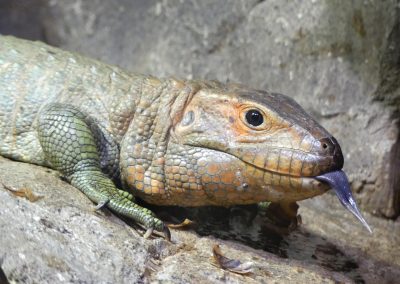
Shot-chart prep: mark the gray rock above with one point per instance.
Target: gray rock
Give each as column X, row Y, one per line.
column 60, row 239
column 23, row 18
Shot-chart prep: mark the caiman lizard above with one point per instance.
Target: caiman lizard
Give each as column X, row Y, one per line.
column 116, row 135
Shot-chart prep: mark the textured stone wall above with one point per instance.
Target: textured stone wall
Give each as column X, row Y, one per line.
column 339, row 59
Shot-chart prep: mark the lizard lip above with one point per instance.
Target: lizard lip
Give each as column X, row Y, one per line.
column 338, row 181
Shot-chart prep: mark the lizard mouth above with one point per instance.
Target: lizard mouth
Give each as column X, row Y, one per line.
column 338, row 181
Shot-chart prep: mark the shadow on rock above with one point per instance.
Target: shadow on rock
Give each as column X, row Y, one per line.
column 258, row 229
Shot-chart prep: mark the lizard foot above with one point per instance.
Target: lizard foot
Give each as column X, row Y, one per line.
column 141, row 215
column 165, row 233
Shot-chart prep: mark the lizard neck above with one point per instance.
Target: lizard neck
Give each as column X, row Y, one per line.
column 143, row 146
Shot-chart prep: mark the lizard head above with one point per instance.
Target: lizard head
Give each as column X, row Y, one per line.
column 256, row 145
column 225, row 144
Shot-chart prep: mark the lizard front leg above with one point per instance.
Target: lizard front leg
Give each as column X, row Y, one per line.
column 69, row 144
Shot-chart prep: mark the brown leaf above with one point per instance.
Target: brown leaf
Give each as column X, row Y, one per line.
column 186, row 223
column 23, row 192
column 233, row 265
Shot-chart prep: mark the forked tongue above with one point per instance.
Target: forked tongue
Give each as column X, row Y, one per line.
column 340, row 184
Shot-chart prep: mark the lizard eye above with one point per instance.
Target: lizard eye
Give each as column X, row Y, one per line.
column 254, row 117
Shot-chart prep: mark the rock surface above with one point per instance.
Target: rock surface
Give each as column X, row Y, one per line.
column 338, row 59
column 60, row 239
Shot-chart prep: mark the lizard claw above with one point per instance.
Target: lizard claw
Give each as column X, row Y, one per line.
column 148, row 233
column 101, row 204
column 167, row 233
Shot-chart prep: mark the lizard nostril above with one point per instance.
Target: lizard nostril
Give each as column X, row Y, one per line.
column 329, row 146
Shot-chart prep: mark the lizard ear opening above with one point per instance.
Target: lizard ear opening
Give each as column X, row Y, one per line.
column 188, row 118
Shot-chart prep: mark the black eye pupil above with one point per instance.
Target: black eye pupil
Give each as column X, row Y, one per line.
column 254, row 117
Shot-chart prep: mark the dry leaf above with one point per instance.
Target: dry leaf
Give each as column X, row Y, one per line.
column 233, row 265
column 23, row 192
column 186, row 223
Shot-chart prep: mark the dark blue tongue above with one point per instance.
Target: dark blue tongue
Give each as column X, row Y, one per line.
column 340, row 184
